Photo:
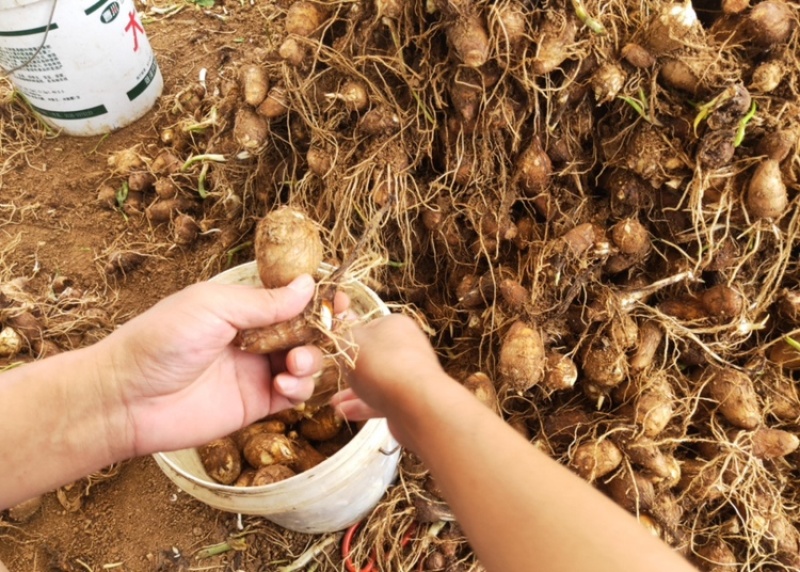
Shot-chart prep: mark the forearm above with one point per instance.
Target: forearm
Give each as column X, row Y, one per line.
column 56, row 424
column 517, row 506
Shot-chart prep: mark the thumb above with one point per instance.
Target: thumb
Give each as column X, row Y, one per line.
column 245, row 307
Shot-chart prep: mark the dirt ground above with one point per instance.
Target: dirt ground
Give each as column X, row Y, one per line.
column 133, row 518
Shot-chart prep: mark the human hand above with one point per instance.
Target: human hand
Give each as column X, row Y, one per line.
column 180, row 382
column 395, row 365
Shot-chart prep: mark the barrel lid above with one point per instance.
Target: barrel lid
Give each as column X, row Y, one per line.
column 11, row 4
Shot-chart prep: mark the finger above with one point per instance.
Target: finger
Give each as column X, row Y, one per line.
column 304, row 361
column 246, row 307
column 341, row 303
column 356, row 410
column 291, row 390
column 344, row 395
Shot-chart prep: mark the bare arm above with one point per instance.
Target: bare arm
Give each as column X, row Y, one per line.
column 518, row 507
column 54, row 425
column 167, row 379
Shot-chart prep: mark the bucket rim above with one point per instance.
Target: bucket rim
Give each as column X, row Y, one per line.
column 377, row 425
column 12, row 4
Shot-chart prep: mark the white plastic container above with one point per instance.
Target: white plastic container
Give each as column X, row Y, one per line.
column 335, row 494
column 95, row 71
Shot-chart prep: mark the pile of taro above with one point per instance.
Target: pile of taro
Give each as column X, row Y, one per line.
column 593, row 204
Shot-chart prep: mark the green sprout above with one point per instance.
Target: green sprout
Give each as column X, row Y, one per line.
column 706, row 109
column 594, row 25
column 236, row 249
column 743, row 125
column 122, row 194
column 201, row 181
column 217, row 158
column 641, row 105
column 424, row 108
column 792, row 342
column 233, row 543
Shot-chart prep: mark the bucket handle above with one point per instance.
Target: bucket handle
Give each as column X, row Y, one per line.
column 6, row 73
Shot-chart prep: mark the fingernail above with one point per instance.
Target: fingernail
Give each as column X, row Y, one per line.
column 302, row 283
column 302, row 361
column 287, row 385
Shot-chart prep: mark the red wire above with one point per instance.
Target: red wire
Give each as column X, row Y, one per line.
column 370, row 567
column 346, row 542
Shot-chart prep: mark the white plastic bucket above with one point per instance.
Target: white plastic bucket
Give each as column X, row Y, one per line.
column 95, row 71
column 335, row 494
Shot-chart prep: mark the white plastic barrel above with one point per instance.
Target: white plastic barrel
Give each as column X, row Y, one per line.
column 335, row 494
column 95, row 70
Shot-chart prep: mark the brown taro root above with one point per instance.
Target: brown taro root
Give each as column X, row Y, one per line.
column 735, row 395
column 250, row 130
column 513, row 26
column 770, row 22
column 565, row 425
column 659, row 466
column 354, row 95
column 595, row 459
column 288, row 416
column 275, row 104
column 637, row 56
column 649, row 400
column 631, row 491
column 163, row 211
column 107, row 196
column 679, row 75
column 304, row 18
column 668, row 29
column 766, row 194
column 469, row 39
column 120, row 263
column 482, row 387
column 607, row 81
column 554, row 42
column 255, row 83
column 287, row 244
column 265, row 449
column 513, row 293
column 246, row 478
column 325, row 424
column 633, row 241
column 270, row 474
column 560, row 372
column 243, row 435
column 186, row 230
column 722, row 301
column 716, row 556
column 767, row 77
column 166, row 189
column 604, row 364
column 11, row 343
column 25, row 510
column 773, row 443
column 650, row 336
column 222, row 460
column 533, row 169
column 140, row 181
column 778, row 145
column 522, row 357
column 307, row 457
column 784, row 355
